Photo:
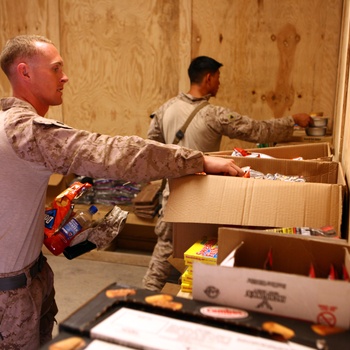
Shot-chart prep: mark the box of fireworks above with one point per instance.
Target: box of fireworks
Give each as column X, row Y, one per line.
column 286, row 275
column 308, row 151
column 138, row 318
column 199, row 204
column 57, row 184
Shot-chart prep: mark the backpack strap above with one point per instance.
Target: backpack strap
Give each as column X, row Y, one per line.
column 181, row 132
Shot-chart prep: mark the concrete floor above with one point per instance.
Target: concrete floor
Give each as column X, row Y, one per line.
column 79, row 280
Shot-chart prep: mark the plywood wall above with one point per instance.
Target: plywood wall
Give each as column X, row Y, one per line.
column 280, row 57
column 126, row 58
column 29, row 16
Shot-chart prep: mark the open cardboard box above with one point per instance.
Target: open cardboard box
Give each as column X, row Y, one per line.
column 286, row 289
column 309, row 151
column 198, row 204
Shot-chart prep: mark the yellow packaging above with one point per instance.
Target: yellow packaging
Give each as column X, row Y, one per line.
column 204, row 251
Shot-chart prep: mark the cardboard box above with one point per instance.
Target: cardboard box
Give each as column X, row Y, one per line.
column 311, row 151
column 198, row 205
column 286, row 290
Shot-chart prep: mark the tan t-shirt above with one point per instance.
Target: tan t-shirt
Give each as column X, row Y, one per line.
column 206, row 129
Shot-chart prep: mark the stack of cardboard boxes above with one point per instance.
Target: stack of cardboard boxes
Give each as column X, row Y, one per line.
column 239, row 210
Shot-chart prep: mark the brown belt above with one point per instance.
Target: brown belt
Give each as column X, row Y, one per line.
column 20, row 281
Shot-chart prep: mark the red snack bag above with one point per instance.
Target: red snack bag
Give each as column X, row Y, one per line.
column 61, row 208
column 241, row 152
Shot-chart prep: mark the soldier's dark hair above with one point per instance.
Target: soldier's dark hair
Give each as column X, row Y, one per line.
column 200, row 66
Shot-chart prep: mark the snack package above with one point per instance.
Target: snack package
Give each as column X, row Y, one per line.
column 204, row 250
column 61, row 208
column 99, row 236
column 325, row 231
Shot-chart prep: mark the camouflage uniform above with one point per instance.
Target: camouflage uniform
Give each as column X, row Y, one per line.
column 27, row 314
column 32, row 148
column 204, row 133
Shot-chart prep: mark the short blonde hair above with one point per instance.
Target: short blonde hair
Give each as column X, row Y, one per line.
column 20, row 46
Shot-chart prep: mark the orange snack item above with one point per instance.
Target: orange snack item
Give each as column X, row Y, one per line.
column 61, row 208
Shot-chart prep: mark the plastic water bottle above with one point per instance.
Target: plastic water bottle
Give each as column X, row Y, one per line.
column 78, row 223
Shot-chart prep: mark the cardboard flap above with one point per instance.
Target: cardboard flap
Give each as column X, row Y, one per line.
column 250, row 202
column 290, row 253
column 308, row 151
column 55, row 179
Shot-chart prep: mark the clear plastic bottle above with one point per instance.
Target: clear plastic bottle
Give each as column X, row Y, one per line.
column 78, row 223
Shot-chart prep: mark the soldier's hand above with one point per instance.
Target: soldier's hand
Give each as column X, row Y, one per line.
column 217, row 165
column 302, row 119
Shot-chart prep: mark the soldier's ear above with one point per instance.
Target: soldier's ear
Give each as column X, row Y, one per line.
column 23, row 70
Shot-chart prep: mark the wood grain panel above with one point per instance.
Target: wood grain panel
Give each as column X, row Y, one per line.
column 121, row 58
column 28, row 17
column 280, row 57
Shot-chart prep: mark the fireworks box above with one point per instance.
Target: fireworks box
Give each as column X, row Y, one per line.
column 126, row 317
column 300, row 277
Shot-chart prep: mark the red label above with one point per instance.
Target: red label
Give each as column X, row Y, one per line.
column 223, row 312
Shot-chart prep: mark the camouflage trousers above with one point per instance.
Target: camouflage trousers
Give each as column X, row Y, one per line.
column 159, row 267
column 27, row 314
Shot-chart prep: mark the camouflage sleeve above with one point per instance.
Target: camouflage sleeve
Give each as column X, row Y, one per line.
column 66, row 150
column 155, row 131
column 237, row 126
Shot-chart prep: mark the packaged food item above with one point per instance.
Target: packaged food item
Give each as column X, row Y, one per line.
column 240, row 152
column 61, row 208
column 325, row 231
column 61, row 239
column 204, row 250
column 251, row 173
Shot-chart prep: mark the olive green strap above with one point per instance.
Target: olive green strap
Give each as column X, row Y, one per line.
column 181, row 132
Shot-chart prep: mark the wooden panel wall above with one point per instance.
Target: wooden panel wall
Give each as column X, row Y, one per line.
column 125, row 58
column 29, row 16
column 122, row 60
column 280, row 57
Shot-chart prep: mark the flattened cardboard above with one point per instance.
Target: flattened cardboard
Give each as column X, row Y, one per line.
column 286, row 290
